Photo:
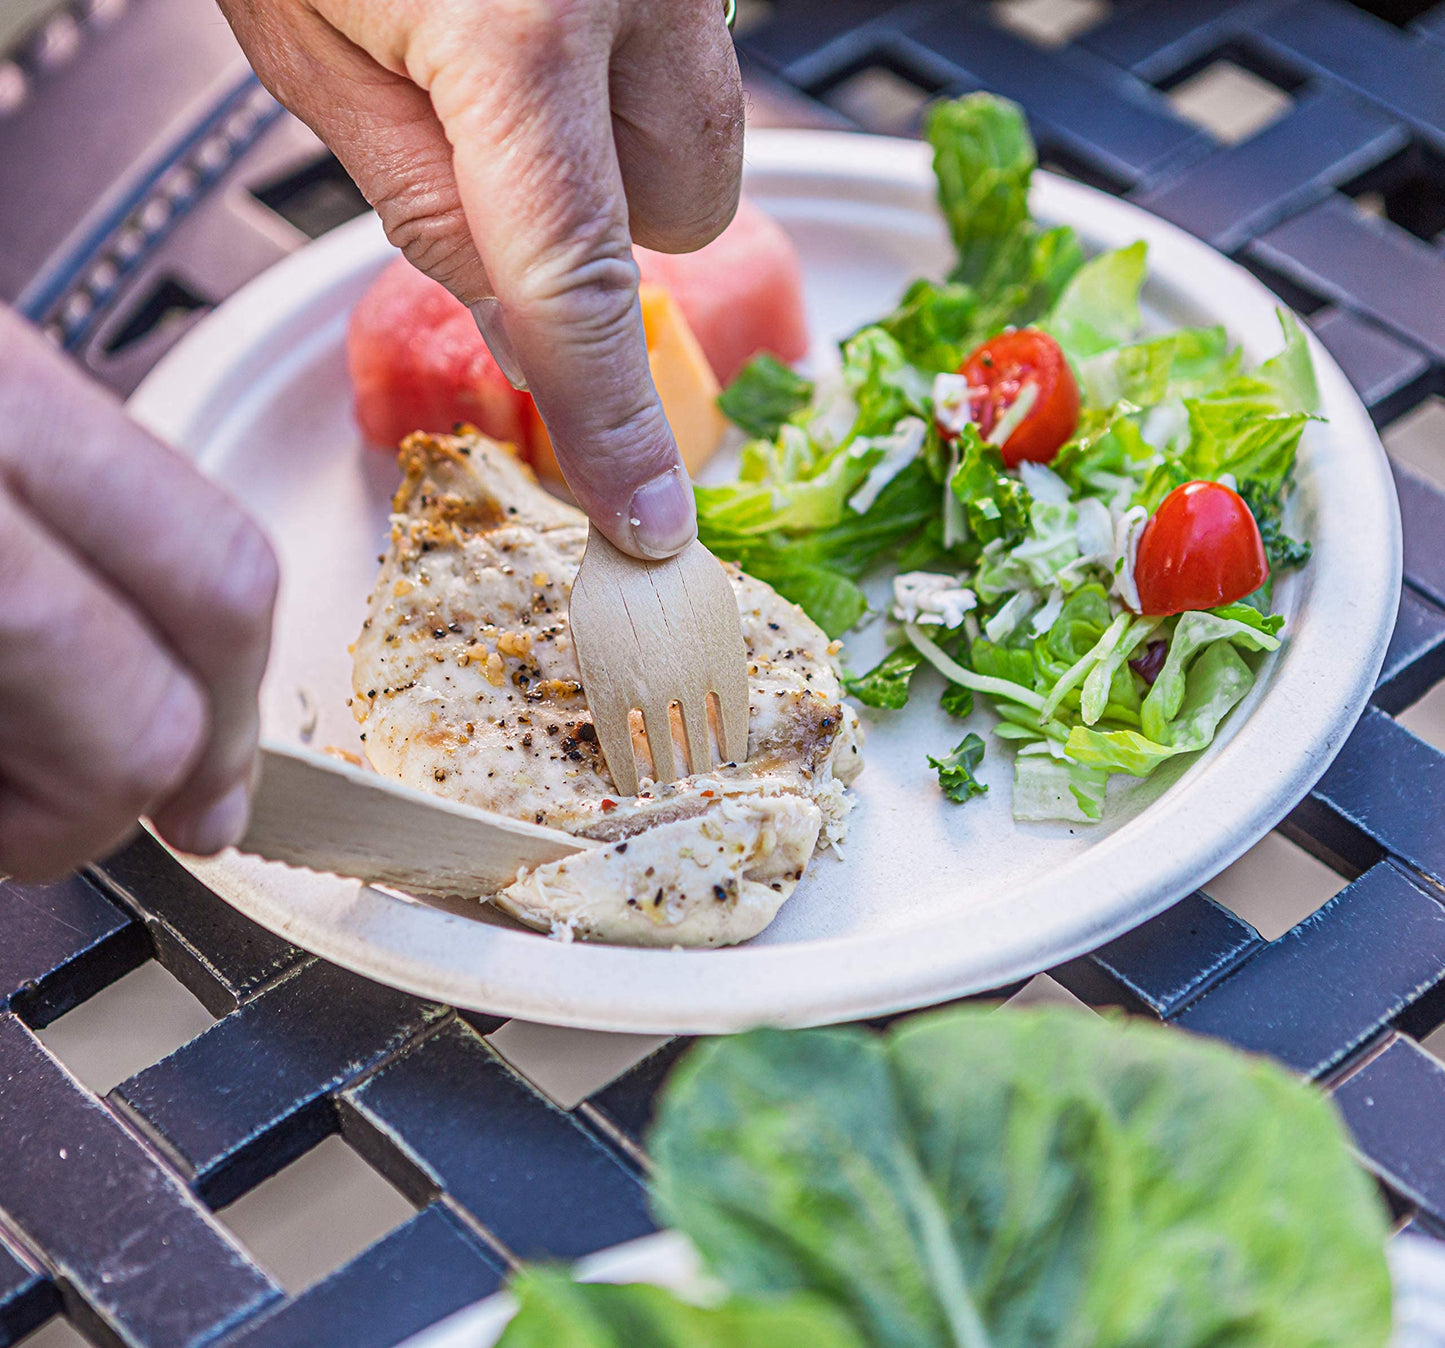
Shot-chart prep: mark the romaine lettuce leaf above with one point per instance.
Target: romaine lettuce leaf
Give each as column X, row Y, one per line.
column 1250, row 426
column 1099, row 308
column 1081, row 622
column 1239, row 435
column 935, row 323
column 1099, row 685
column 1053, row 788
column 1137, row 373
column 1074, row 676
column 1179, row 364
column 1268, row 623
column 983, row 159
column 1291, row 373
column 1014, row 664
column 763, row 395
column 817, row 568
column 555, row 1312
column 1025, row 1179
column 1193, row 633
column 1218, row 680
column 1008, row 270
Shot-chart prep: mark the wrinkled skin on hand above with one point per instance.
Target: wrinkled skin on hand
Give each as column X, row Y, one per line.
column 516, row 149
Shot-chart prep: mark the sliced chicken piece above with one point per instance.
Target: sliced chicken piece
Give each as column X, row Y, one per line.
column 466, row 684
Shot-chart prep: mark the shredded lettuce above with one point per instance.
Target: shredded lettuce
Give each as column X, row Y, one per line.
column 1054, row 788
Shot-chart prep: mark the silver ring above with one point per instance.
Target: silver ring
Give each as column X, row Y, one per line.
column 730, row 12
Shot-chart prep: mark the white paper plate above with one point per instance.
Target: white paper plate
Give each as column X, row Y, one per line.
column 933, row 900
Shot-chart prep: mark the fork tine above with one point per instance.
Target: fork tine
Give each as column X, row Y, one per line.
column 694, row 725
column 614, row 737
column 732, row 717
column 645, row 632
column 658, row 725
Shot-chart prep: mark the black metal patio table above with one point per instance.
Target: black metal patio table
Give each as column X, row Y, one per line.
column 144, row 176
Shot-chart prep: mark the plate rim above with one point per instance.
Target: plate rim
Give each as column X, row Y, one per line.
column 849, row 976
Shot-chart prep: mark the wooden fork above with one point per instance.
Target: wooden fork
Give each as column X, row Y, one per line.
column 649, row 634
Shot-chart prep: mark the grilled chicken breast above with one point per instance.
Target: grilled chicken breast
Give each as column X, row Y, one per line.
column 466, row 684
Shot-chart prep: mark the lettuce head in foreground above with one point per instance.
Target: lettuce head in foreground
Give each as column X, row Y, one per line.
column 1030, row 1179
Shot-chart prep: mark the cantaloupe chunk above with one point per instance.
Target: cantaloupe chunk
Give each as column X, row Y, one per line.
column 742, row 293
column 685, row 384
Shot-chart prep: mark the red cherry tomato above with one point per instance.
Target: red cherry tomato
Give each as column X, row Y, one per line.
column 1200, row 549
column 1000, row 369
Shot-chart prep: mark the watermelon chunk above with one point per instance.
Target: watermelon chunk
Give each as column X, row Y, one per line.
column 418, row 363
column 741, row 294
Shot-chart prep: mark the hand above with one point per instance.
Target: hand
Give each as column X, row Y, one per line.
column 135, row 617
column 516, row 148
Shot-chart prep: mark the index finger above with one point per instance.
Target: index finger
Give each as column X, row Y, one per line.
column 527, row 110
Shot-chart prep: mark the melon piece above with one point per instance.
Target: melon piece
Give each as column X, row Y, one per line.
column 685, row 384
column 741, row 294
column 418, row 363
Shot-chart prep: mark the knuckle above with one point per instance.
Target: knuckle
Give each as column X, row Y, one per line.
column 587, row 281
column 531, row 39
column 435, row 240
column 542, row 31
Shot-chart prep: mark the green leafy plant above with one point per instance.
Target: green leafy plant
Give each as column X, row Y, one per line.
column 1031, row 1179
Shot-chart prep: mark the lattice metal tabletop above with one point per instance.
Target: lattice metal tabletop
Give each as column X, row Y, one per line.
column 144, row 176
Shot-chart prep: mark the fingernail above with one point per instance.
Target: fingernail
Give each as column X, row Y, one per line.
column 222, row 824
column 493, row 327
column 663, row 517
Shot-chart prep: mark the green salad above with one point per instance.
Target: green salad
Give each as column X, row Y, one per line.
column 1083, row 521
column 972, row 1179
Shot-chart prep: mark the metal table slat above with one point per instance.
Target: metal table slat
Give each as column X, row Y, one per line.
column 409, row 1279
column 1238, row 192
column 254, row 1091
column 533, row 1177
column 83, row 1189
